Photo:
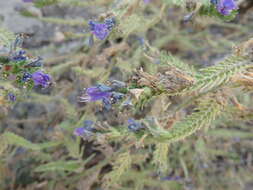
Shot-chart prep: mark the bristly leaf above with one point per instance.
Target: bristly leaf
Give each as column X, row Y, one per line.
column 205, row 113
column 212, row 77
column 14, row 139
column 131, row 24
column 121, row 165
column 160, row 156
column 169, row 59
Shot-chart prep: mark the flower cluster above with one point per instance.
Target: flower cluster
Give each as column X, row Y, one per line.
column 107, row 94
column 225, row 7
column 88, row 130
column 102, row 30
column 22, row 70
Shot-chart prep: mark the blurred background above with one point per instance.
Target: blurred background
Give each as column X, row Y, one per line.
column 214, row 159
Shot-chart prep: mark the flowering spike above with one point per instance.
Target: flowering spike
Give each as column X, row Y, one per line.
column 95, row 93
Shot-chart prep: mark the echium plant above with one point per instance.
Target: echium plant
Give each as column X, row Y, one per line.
column 173, row 80
column 205, row 89
column 20, row 70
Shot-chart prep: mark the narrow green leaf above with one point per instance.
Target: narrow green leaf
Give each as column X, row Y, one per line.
column 14, row 139
column 59, row 166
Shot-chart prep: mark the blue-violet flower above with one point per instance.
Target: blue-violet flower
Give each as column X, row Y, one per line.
column 225, row 7
column 100, row 30
column 95, row 93
column 107, row 94
column 41, row 79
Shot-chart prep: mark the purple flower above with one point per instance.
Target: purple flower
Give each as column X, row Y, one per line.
column 108, row 94
column 95, row 93
column 225, row 7
column 100, row 30
column 11, row 97
column 79, row 131
column 85, row 131
column 41, row 79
